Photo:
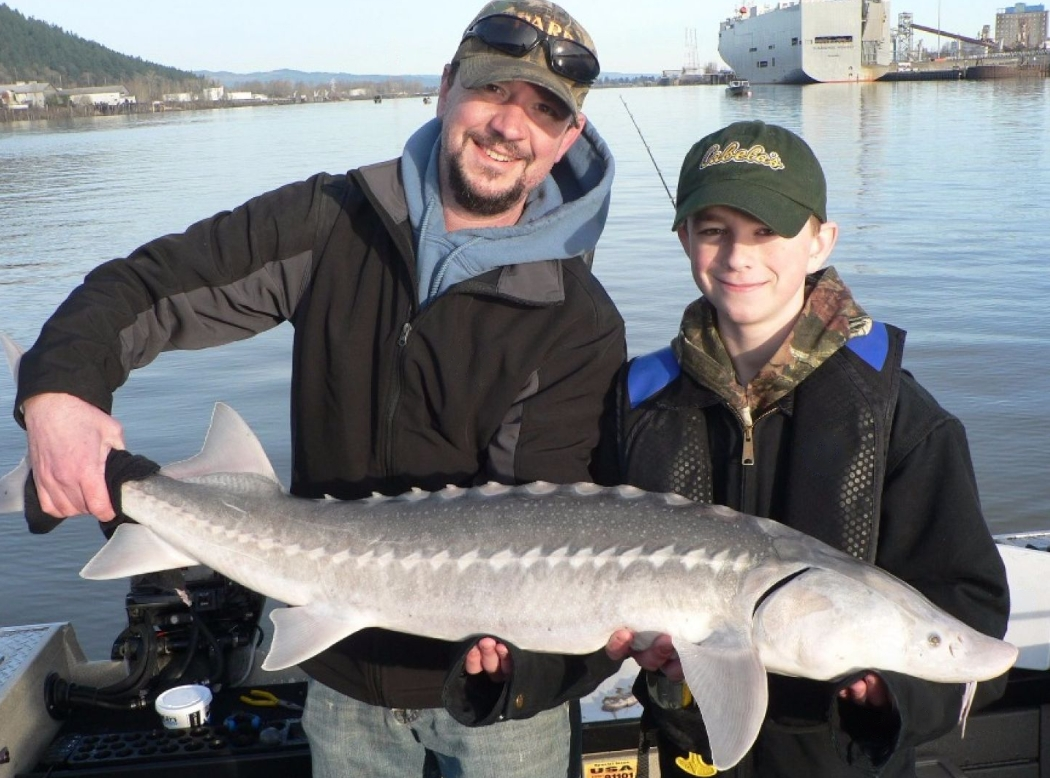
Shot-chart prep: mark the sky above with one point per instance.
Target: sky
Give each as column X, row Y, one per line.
column 402, row 37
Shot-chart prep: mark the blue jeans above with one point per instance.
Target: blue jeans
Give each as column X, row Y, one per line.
column 349, row 739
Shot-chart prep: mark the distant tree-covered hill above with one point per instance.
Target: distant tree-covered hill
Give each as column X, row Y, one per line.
column 32, row 50
column 314, row 79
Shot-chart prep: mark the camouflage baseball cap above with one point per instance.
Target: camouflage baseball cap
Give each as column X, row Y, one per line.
column 481, row 63
column 761, row 169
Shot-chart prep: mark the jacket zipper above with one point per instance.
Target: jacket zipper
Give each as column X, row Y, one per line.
column 747, row 424
column 747, row 454
column 747, row 458
column 395, row 398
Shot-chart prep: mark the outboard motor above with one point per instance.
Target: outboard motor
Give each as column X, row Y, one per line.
column 192, row 626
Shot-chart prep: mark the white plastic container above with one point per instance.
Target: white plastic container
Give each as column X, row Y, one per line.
column 184, row 707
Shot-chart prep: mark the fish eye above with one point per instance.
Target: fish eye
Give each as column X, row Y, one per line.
column 933, row 639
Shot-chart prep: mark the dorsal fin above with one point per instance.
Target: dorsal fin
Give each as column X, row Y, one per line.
column 229, row 447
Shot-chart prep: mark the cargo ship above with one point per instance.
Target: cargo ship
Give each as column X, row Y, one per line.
column 808, row 41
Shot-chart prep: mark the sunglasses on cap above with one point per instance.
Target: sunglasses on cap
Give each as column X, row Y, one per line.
column 516, row 38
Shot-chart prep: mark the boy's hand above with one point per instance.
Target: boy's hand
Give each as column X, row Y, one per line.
column 869, row 691
column 658, row 656
column 491, row 657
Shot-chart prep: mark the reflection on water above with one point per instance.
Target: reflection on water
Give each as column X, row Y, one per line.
column 940, row 191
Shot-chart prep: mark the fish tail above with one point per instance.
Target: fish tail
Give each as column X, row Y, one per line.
column 12, row 485
column 12, row 489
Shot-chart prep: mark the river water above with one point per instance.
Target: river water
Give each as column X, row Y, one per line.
column 941, row 191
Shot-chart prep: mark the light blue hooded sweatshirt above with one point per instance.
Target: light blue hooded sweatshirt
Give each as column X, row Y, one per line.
column 563, row 217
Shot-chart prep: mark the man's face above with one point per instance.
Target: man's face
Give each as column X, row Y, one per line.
column 498, row 142
column 753, row 277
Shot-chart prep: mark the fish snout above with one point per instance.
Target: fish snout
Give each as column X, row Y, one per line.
column 984, row 656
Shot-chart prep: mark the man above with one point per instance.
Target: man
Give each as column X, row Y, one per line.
column 448, row 330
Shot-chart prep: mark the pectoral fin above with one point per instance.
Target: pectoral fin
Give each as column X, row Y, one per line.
column 300, row 633
column 134, row 550
column 728, row 682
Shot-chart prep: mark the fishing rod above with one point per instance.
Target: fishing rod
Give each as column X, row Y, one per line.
column 666, row 188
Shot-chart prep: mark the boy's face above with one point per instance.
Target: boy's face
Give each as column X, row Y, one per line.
column 753, row 277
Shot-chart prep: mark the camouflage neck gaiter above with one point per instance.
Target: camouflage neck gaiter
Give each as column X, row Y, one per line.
column 828, row 319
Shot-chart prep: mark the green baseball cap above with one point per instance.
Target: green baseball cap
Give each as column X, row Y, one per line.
column 761, row 169
column 481, row 64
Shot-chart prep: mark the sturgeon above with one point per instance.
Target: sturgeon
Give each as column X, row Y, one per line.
column 554, row 568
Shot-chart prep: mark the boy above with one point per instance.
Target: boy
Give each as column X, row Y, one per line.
column 781, row 397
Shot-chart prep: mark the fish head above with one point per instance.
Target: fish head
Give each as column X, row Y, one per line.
column 824, row 624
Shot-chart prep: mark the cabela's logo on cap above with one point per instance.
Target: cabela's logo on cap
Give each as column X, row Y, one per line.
column 545, row 16
column 756, row 155
column 549, row 26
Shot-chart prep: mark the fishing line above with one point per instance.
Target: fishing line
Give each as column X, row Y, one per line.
column 666, row 188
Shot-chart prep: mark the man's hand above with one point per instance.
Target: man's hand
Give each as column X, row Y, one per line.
column 869, row 691
column 658, row 655
column 69, row 440
column 491, row 657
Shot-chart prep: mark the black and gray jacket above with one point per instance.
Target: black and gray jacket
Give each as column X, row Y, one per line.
column 859, row 455
column 503, row 377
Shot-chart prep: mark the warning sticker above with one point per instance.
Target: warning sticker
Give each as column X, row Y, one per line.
column 611, row 766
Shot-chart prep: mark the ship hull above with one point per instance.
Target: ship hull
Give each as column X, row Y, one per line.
column 809, row 42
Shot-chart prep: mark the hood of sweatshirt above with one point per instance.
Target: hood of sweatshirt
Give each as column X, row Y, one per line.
column 563, row 217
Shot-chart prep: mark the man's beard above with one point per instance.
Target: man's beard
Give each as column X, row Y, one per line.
column 480, row 203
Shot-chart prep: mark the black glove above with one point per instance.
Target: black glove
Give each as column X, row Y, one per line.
column 121, row 466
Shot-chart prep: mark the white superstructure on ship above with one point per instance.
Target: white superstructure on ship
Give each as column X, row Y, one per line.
column 808, row 41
